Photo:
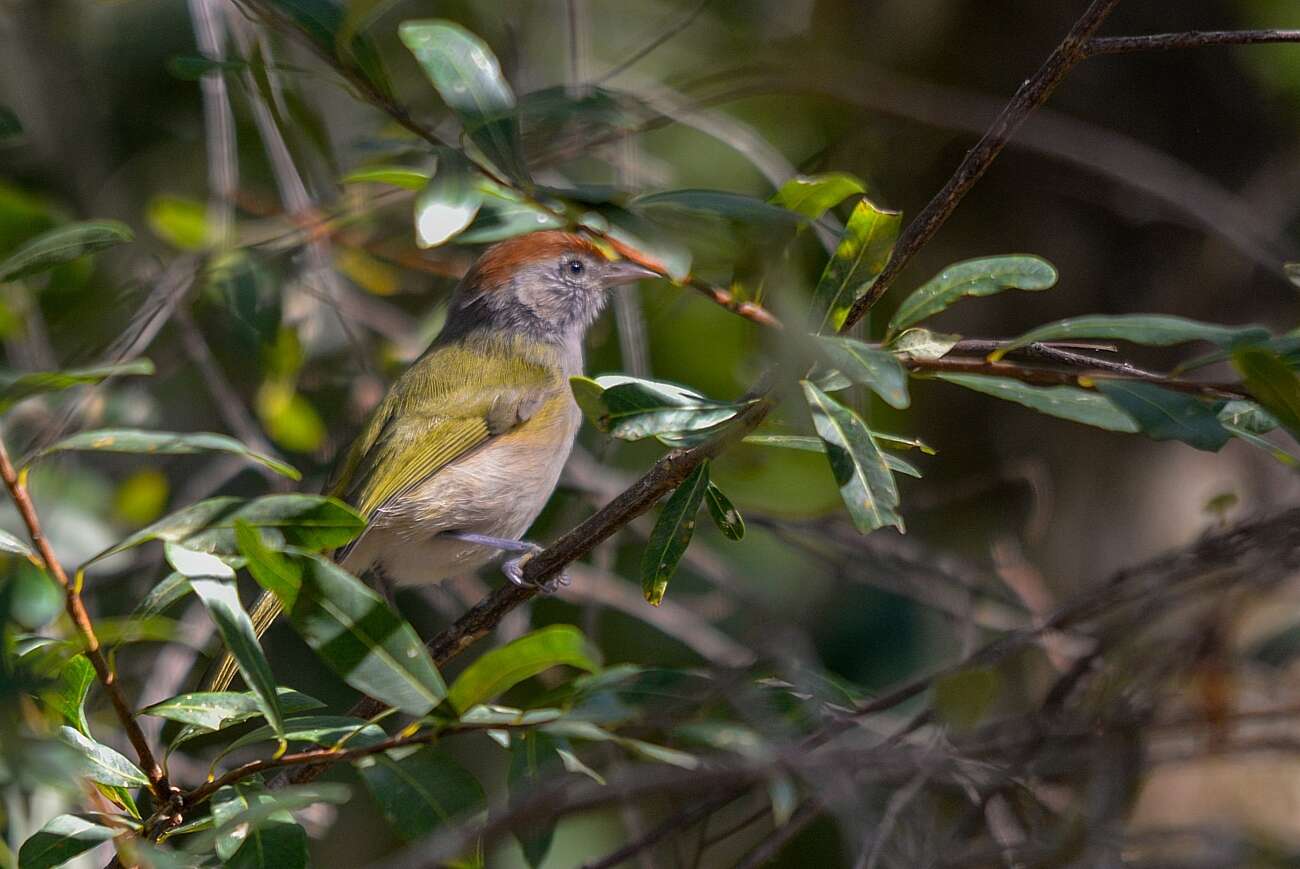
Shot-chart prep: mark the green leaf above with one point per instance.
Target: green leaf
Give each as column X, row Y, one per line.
column 326, row 23
column 632, row 408
column 61, row 245
column 502, row 668
column 745, row 210
column 672, row 534
column 976, row 277
column 15, row 386
column 63, row 838
column 172, row 588
column 1274, row 385
column 878, row 370
column 275, row 841
column 724, row 513
column 468, row 77
column 180, row 222
column 69, row 696
column 323, row 730
column 99, row 763
column 349, row 627
column 1066, row 402
column 1247, row 415
column 859, row 467
column 214, row 582
column 863, row 250
column 448, row 203
column 418, row 792
column 217, row 710
column 10, row 126
column 394, row 176
column 962, row 698
column 923, row 344
column 814, row 195
column 588, row 730
column 1153, row 330
column 10, row 543
column 1165, row 415
column 162, row 443
column 305, row 521
column 534, row 760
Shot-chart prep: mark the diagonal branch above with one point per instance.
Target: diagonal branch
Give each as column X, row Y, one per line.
column 1190, row 39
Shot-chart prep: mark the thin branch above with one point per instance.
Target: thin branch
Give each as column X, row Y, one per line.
column 766, row 850
column 158, row 784
column 636, row 56
column 1189, row 39
column 1032, row 94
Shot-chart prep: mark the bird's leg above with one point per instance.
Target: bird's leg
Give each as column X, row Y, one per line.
column 514, row 568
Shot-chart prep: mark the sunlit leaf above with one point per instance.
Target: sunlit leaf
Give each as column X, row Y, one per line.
column 63, row 244
column 633, row 408
column 182, row 223
column 274, row 841
column 419, row 791
column 724, row 513
column 69, row 696
column 860, row 256
column 215, row 710
column 1166, row 415
column 141, row 497
column 502, row 668
column 214, row 582
column 322, row 730
column 125, row 440
column 353, row 631
column 923, row 344
column 448, row 203
column 468, row 77
column 10, row 543
column 1067, row 402
column 977, row 277
column 671, row 534
column 860, row 469
column 60, row 840
column 394, row 176
column 99, row 763
column 878, row 370
column 1155, row 330
column 15, row 386
column 814, row 195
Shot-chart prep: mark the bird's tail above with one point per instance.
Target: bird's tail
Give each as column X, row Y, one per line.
column 263, row 613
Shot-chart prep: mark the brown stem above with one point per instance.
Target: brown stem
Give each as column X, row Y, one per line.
column 1190, row 39
column 1032, row 94
column 158, row 784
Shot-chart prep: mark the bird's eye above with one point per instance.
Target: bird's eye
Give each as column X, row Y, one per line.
column 575, row 266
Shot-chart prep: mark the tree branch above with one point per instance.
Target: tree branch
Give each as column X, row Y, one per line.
column 1189, row 39
column 76, row 608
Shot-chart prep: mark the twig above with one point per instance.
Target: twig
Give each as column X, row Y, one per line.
column 1189, row 39
column 765, row 850
column 158, row 784
column 1032, row 94
column 675, row 824
column 636, row 56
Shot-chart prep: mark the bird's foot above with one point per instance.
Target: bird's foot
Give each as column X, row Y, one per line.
column 514, row 568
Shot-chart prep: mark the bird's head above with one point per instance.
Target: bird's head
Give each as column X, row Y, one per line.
column 547, row 285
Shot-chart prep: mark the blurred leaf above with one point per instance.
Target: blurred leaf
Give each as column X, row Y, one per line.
column 587, row 395
column 394, row 176
column 500, row 669
column 304, row 521
column 923, row 344
column 1292, row 272
column 141, row 497
column 10, row 543
column 181, row 223
column 1165, row 415
column 1247, row 415
column 323, row 730
column 34, row 598
column 290, row 419
column 326, row 23
column 62, row 839
column 724, row 513
column 784, row 797
column 643, row 235
column 63, row 244
column 420, row 791
column 587, row 730
column 878, row 370
column 504, row 215
column 102, row 764
column 863, row 250
column 719, row 203
column 448, row 203
column 977, row 277
column 468, row 78
column 860, row 470
column 170, row 589
column 534, row 761
column 275, row 841
column 349, row 627
column 215, row 710
column 1154, row 330
column 10, row 126
column 814, row 195
column 807, row 443
column 962, row 698
column 15, row 386
column 1067, row 402
column 671, row 534
column 163, row 443
column 214, row 582
column 68, row 696
column 1272, row 383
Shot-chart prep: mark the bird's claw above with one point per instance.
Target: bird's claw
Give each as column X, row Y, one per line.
column 514, row 571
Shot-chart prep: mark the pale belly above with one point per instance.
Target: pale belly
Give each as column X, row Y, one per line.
column 497, row 491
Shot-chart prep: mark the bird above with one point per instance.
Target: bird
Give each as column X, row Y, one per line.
column 463, row 452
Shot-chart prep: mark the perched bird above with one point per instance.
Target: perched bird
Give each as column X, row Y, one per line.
column 466, row 448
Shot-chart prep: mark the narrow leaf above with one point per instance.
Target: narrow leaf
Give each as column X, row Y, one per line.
column 216, row 710
column 101, row 763
column 394, row 176
column 863, row 250
column 1165, row 415
column 125, row 440
column 61, row 245
column 62, row 839
column 672, row 534
column 724, row 513
column 859, row 467
column 534, row 760
column 499, row 670
column 1273, row 384
column 1153, row 330
column 15, row 386
column 977, row 277
column 1066, row 402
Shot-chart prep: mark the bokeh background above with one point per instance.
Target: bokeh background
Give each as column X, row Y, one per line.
column 1162, row 183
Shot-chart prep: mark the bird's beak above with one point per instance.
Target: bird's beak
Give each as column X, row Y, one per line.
column 626, row 272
